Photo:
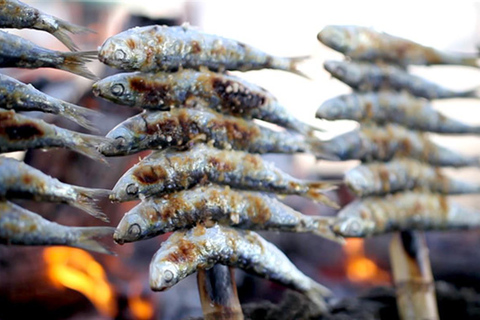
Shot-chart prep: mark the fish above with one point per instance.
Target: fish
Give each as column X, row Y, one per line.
column 188, row 88
column 383, row 143
column 170, row 171
column 16, row 52
column 185, row 252
column 213, row 203
column 19, row 96
column 364, row 76
column 159, row 130
column 368, row 44
column 21, row 181
column 18, row 15
column 405, row 211
column 18, row 133
column 392, row 107
column 19, row 226
column 169, row 48
column 380, row 178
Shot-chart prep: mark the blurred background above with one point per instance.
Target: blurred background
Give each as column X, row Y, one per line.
column 64, row 283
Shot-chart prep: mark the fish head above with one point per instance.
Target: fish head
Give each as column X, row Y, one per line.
column 360, row 180
column 353, row 226
column 124, row 51
column 336, row 108
column 133, row 227
column 116, row 89
column 345, row 71
column 126, row 138
column 127, row 188
column 336, row 37
column 163, row 275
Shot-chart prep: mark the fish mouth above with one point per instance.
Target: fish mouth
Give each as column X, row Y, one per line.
column 95, row 90
column 117, row 239
column 113, row 198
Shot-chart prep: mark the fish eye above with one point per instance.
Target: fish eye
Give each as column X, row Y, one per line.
column 117, row 89
column 132, row 189
column 341, row 72
column 120, row 141
column 168, row 276
column 353, row 227
column 134, row 230
column 120, row 54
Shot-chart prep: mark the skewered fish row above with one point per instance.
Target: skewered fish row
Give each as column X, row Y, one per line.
column 370, row 143
column 190, row 89
column 16, row 52
column 403, row 212
column 20, row 181
column 163, row 48
column 18, row 132
column 392, row 107
column 380, row 178
column 184, row 252
column 362, row 43
column 239, row 209
column 18, row 96
column 23, row 227
column 160, row 130
column 363, row 76
column 16, row 14
column 170, row 171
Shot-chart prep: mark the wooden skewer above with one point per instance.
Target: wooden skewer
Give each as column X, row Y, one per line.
column 412, row 276
column 218, row 294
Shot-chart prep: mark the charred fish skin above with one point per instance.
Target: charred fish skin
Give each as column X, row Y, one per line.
column 371, row 143
column 185, row 252
column 223, row 93
column 167, row 172
column 22, row 97
column 402, row 212
column 403, row 174
column 16, row 14
column 160, row 130
column 18, row 133
column 162, row 48
column 239, row 209
column 16, row 52
column 22, row 227
column 363, row 76
column 362, row 43
column 392, row 107
column 20, row 181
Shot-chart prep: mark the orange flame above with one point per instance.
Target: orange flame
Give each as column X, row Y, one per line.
column 360, row 268
column 78, row 270
column 141, row 308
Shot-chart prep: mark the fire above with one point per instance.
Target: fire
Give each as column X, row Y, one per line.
column 77, row 270
column 141, row 308
column 361, row 269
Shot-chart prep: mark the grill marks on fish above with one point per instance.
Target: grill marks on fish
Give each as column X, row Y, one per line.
column 153, row 93
column 201, row 248
column 18, row 133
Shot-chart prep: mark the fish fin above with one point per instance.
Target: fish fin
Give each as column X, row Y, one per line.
column 74, row 62
column 293, row 65
column 88, row 238
column 317, row 194
column 320, row 151
column 80, row 115
column 323, row 229
column 87, row 198
column 63, row 28
column 88, row 145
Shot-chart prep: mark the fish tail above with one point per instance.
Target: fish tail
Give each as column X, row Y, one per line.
column 88, row 145
column 87, row 198
column 74, row 62
column 289, row 64
column 320, row 150
column 316, row 191
column 80, row 115
column 88, row 238
column 322, row 227
column 317, row 294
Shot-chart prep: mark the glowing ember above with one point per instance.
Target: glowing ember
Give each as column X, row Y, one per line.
column 142, row 309
column 78, row 270
column 361, row 269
